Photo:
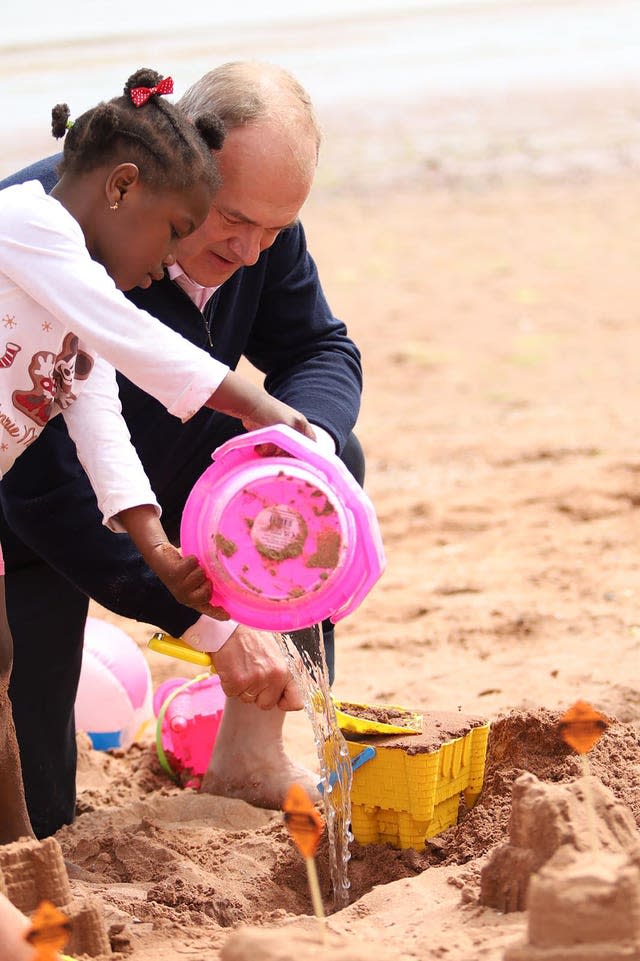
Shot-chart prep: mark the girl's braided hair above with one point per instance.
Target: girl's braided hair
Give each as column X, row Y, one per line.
column 169, row 150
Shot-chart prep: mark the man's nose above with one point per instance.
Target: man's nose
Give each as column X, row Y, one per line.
column 246, row 245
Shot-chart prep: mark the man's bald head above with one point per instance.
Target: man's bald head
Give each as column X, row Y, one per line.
column 267, row 163
column 250, row 92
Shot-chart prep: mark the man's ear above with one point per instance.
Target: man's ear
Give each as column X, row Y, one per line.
column 119, row 181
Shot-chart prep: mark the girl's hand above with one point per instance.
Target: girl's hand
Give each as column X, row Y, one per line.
column 269, row 411
column 186, row 580
column 256, row 408
column 182, row 575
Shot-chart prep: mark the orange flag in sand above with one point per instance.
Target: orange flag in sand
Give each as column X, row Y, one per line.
column 305, row 827
column 305, row 824
column 49, row 931
column 581, row 727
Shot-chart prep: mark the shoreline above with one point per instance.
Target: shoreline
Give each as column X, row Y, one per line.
column 453, row 92
column 452, row 143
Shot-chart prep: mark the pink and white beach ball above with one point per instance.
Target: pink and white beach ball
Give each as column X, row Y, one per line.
column 114, row 703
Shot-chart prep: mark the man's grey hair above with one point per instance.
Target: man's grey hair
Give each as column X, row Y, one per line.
column 250, row 91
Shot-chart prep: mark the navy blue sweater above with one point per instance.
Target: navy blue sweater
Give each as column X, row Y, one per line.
column 275, row 314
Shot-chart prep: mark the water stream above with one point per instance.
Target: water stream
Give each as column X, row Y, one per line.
column 333, row 754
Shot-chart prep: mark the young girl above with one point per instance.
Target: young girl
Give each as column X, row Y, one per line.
column 136, row 177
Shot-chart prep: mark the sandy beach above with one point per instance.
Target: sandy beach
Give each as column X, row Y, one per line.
column 498, row 424
column 483, row 250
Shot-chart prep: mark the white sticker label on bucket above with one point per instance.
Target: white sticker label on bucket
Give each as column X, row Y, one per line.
column 279, row 532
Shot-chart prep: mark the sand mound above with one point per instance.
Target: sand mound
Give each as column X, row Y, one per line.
column 298, row 945
column 117, row 777
column 530, row 741
column 198, row 859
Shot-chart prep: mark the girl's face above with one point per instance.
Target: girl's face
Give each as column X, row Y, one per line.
column 139, row 239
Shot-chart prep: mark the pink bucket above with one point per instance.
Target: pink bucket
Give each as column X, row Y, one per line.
column 189, row 713
column 286, row 540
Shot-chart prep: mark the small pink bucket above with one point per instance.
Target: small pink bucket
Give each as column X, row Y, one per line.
column 286, row 540
column 189, row 713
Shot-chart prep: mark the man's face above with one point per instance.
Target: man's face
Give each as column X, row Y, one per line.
column 263, row 188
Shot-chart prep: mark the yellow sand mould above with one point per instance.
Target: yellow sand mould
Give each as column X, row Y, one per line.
column 402, row 798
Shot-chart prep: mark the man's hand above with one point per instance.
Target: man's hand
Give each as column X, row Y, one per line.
column 252, row 668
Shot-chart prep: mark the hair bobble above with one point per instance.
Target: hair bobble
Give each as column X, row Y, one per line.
column 60, row 120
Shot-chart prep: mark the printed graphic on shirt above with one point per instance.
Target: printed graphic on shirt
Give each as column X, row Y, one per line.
column 10, row 352
column 52, row 376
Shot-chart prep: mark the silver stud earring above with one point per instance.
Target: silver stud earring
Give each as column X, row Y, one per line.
column 114, row 205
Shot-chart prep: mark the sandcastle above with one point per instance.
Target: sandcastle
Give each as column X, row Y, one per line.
column 34, row 871
column 544, row 817
column 583, row 906
column 573, row 861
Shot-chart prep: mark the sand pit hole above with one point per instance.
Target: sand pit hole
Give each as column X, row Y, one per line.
column 196, row 859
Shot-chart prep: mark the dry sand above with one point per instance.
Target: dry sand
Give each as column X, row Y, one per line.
column 496, row 305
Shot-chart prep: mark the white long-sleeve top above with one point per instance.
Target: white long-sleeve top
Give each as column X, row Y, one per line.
column 66, row 327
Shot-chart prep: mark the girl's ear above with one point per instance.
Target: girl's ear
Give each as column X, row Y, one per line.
column 119, row 181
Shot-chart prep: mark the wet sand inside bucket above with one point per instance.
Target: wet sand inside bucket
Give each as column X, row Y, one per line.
column 438, row 728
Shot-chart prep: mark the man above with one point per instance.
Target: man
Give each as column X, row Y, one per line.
column 244, row 284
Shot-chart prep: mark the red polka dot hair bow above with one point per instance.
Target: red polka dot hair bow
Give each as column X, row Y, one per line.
column 140, row 95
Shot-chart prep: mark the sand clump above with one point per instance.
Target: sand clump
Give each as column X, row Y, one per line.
column 299, row 944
